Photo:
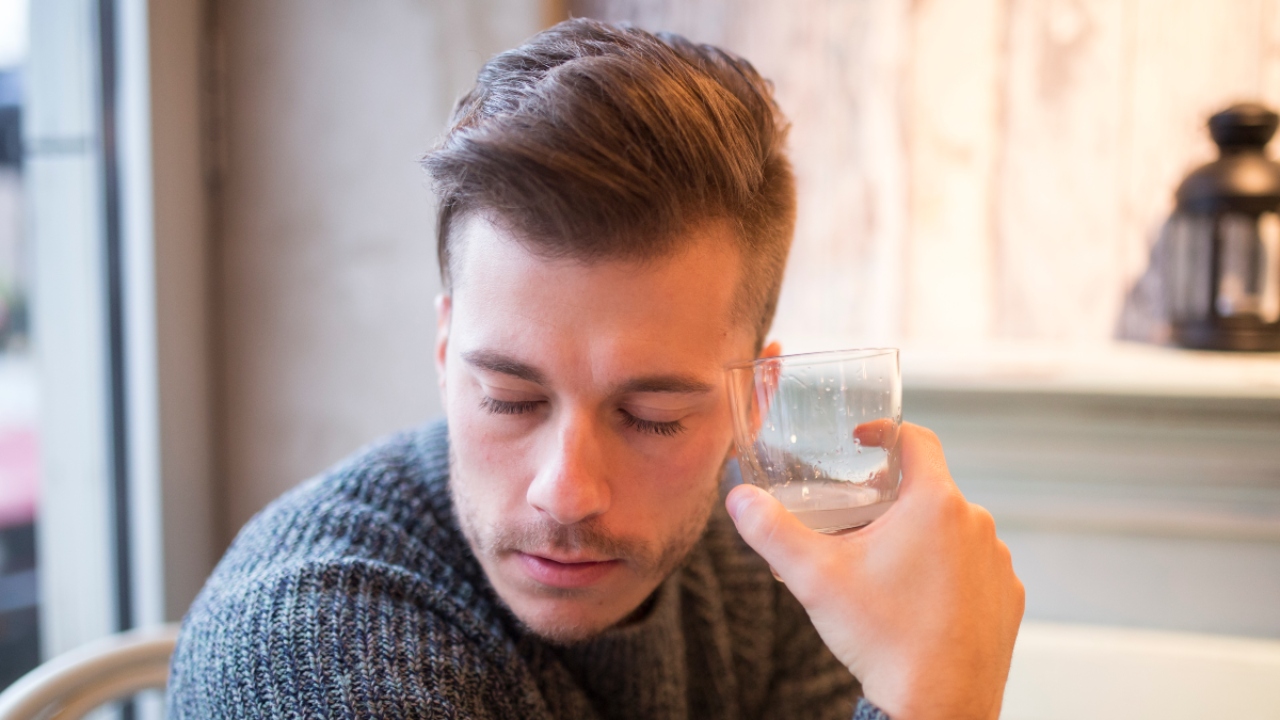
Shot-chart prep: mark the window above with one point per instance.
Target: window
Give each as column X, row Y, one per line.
column 19, row 386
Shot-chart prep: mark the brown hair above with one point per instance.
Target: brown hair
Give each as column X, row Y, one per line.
column 599, row 142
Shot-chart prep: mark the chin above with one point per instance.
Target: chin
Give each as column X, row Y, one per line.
column 562, row 632
column 562, row 621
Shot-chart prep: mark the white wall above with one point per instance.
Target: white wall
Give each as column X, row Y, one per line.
column 324, row 244
column 973, row 170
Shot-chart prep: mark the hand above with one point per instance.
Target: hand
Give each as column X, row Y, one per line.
column 921, row 605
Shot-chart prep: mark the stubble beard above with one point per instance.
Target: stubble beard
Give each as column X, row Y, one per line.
column 490, row 541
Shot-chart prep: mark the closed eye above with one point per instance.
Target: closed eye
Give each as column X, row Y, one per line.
column 653, row 427
column 508, row 407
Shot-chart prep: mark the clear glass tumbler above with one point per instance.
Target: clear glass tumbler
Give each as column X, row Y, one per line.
column 819, row 431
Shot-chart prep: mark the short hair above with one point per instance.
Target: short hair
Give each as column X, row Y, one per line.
column 593, row 141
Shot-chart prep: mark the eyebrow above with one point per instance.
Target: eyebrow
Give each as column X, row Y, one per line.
column 664, row 384
column 506, row 365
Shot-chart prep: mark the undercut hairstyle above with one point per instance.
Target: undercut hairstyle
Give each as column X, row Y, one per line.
column 597, row 142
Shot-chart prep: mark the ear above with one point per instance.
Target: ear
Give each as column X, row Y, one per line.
column 444, row 309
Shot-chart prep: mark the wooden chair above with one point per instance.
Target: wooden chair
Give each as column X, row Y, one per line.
column 77, row 682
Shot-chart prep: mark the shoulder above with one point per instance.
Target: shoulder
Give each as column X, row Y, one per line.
column 353, row 589
column 388, row 503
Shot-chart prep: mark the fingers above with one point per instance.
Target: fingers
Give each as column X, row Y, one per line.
column 777, row 535
column 877, row 433
column 923, row 464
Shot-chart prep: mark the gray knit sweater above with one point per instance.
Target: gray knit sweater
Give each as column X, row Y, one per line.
column 356, row 596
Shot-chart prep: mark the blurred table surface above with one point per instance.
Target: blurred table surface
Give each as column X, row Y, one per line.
column 1066, row 672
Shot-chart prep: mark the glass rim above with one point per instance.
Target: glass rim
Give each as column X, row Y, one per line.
column 816, row 357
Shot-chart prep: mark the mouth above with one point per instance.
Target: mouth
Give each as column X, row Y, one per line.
column 565, row 572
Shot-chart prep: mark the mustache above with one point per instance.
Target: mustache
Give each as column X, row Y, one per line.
column 586, row 536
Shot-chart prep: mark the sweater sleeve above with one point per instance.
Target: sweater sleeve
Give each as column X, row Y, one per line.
column 867, row 711
column 340, row 639
column 808, row 681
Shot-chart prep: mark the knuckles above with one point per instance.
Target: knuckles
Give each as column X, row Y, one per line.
column 985, row 523
column 1006, row 557
column 950, row 509
column 922, row 435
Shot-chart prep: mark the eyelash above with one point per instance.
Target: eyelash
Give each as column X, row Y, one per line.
column 505, row 407
column 665, row 429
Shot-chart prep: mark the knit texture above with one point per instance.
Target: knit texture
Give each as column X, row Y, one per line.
column 356, row 596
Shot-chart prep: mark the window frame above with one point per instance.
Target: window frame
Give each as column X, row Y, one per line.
column 117, row 212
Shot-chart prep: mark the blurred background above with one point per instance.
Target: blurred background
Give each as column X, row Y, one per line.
column 217, row 265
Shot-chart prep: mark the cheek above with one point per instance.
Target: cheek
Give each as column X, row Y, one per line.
column 684, row 475
column 490, row 467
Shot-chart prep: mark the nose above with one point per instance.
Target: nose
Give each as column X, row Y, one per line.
column 572, row 485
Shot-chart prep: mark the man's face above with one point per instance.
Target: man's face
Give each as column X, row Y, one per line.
column 588, row 418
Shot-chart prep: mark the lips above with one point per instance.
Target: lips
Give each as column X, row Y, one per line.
column 565, row 573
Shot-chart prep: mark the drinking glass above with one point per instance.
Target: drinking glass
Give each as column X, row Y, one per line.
column 819, row 431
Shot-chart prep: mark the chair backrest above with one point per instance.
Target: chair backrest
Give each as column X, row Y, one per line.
column 75, row 683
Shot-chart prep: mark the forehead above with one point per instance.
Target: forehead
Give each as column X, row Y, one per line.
column 669, row 311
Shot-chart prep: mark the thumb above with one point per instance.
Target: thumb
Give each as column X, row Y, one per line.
column 773, row 532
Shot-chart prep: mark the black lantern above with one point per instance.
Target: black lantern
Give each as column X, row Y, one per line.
column 1222, row 270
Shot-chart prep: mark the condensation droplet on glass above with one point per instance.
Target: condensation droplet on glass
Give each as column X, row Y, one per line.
column 857, row 445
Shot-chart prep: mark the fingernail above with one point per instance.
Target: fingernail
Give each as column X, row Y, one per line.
column 738, row 500
column 734, row 505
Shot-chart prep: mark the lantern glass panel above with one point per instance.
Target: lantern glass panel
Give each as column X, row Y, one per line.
column 1190, row 244
column 1248, row 266
column 1248, row 253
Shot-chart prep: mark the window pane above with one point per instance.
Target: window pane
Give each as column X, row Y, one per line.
column 19, row 391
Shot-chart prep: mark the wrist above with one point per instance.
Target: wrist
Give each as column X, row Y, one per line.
column 938, row 700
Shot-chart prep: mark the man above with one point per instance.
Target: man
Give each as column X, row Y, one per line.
column 615, row 213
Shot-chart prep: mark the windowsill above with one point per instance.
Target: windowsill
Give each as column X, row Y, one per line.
column 1119, row 369
column 1122, row 438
